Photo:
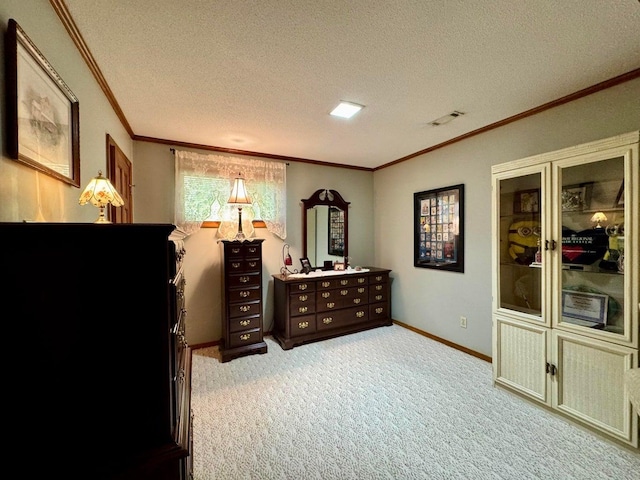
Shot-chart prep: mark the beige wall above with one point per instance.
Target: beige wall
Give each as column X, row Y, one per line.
column 431, row 300
column 153, row 176
column 26, row 194
column 381, row 211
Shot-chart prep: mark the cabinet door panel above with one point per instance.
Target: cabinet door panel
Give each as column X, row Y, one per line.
column 589, row 384
column 520, row 253
column 596, row 229
column 520, row 357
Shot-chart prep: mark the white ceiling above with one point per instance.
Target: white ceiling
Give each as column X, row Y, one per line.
column 262, row 76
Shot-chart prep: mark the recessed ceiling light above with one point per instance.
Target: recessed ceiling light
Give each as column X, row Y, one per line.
column 346, row 110
column 446, row 119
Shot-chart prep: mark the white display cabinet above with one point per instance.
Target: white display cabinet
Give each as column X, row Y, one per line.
column 565, row 280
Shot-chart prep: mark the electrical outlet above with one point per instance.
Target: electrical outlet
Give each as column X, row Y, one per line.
column 463, row 322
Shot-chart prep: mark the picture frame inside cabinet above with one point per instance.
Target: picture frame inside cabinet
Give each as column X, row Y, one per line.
column 42, row 112
column 619, row 203
column 576, row 198
column 526, row 201
column 439, row 228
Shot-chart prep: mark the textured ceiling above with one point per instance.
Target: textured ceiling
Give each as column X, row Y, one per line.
column 262, row 76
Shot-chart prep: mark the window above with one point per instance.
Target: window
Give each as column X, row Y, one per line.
column 203, row 184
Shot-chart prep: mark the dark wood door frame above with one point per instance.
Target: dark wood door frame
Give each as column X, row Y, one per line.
column 120, row 173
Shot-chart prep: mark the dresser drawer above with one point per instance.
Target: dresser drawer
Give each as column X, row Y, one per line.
column 244, row 323
column 245, row 309
column 245, row 294
column 352, row 281
column 380, row 278
column 354, row 296
column 328, row 300
column 304, row 287
column 379, row 310
column 379, row 293
column 246, row 337
column 340, row 318
column 302, row 304
column 244, row 280
column 242, row 265
column 303, row 325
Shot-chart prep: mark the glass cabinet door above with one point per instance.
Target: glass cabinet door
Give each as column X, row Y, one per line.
column 520, row 285
column 591, row 224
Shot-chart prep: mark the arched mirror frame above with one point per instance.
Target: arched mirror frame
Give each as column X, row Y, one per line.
column 330, row 198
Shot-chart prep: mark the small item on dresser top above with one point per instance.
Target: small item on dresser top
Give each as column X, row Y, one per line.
column 306, row 265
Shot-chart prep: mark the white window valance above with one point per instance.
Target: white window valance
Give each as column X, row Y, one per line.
column 203, row 183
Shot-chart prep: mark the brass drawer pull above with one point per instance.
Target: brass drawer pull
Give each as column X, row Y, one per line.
column 253, row 249
column 344, row 292
column 344, row 282
column 327, row 320
column 235, row 250
column 245, row 308
column 303, row 286
column 235, row 264
column 245, row 293
column 379, row 278
column 245, row 336
column 379, row 287
column 361, row 280
column 326, row 284
column 245, row 323
column 326, row 294
column 361, row 290
column 331, row 305
column 303, row 298
column 378, row 297
column 379, row 310
column 253, row 264
column 302, row 325
column 302, row 309
column 244, row 279
column 360, row 314
column 357, row 300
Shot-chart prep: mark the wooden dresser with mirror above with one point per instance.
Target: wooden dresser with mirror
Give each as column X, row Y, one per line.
column 324, row 304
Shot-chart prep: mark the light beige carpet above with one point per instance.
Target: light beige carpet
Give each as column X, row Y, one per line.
column 382, row 404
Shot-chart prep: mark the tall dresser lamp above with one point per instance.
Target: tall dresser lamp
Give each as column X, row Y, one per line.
column 239, row 196
column 100, row 192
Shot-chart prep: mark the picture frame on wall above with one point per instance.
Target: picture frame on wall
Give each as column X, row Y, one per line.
column 439, row 228
column 42, row 111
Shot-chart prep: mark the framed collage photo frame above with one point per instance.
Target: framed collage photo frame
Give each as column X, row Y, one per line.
column 439, row 228
column 42, row 112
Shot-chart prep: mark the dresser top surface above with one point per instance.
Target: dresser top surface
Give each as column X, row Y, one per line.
column 311, row 277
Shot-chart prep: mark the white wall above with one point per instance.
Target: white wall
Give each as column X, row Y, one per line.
column 153, row 176
column 26, row 194
column 431, row 300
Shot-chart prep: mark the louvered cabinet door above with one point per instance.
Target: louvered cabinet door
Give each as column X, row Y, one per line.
column 589, row 384
column 520, row 358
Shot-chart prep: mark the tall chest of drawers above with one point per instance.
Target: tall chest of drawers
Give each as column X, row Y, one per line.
column 99, row 312
column 311, row 308
column 242, row 309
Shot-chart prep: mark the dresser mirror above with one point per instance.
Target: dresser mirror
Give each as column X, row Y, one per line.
column 325, row 228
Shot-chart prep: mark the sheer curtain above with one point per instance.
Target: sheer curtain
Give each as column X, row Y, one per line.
column 203, row 184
